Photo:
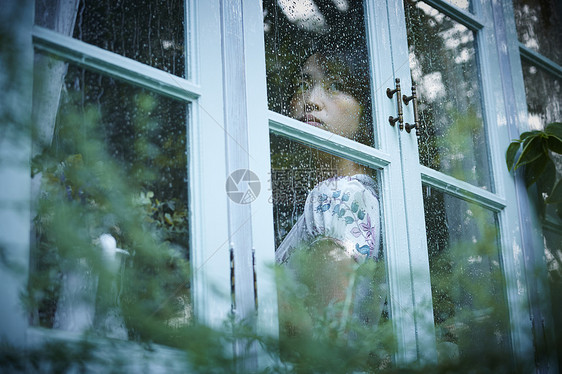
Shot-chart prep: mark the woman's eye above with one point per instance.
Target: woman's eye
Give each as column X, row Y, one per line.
column 303, row 86
column 335, row 86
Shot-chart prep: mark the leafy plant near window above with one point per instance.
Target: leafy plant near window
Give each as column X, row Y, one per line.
column 86, row 194
column 96, row 180
column 539, row 155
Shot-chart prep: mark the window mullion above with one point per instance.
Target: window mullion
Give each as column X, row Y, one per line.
column 207, row 173
column 15, row 153
column 236, row 129
column 335, row 144
column 260, row 164
column 540, row 61
column 462, row 189
column 109, row 63
column 467, row 19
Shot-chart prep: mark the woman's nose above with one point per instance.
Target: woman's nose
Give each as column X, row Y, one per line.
column 313, row 100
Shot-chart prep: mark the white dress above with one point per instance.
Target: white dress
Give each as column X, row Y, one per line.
column 344, row 209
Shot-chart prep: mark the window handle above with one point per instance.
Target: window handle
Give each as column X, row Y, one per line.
column 390, row 93
column 255, row 278
column 232, row 281
column 406, row 100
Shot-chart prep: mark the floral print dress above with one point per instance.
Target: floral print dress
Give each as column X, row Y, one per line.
column 343, row 209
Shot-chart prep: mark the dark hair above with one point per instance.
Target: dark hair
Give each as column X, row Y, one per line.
column 353, row 68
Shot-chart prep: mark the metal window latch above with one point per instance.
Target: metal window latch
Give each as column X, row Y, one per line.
column 255, row 278
column 232, row 284
column 407, row 99
column 390, row 93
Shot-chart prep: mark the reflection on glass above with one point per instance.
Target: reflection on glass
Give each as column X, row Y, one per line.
column 328, row 239
column 539, row 26
column 466, row 278
column 111, row 229
column 149, row 31
column 463, row 4
column 553, row 255
column 544, row 96
column 444, row 67
column 544, row 99
column 317, row 61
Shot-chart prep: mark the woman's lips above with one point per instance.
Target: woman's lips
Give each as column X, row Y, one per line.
column 311, row 120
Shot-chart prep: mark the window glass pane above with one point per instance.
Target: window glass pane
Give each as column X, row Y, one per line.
column 469, row 304
column 539, row 26
column 149, row 31
column 317, row 63
column 553, row 255
column 111, row 215
column 443, row 62
column 544, row 96
column 463, row 4
column 333, row 296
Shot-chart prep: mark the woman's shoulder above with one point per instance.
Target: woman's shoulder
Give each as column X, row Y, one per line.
column 357, row 182
column 344, row 209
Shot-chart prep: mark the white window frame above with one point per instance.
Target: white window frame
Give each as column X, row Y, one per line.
column 206, row 89
column 514, row 238
column 202, row 91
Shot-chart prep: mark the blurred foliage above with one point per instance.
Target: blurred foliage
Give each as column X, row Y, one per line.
column 452, row 150
column 87, row 194
column 325, row 326
column 100, row 176
column 539, row 160
column 467, row 282
column 539, row 153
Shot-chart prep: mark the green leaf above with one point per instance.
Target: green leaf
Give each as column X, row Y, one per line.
column 554, row 144
column 511, row 152
column 529, row 176
column 532, row 150
column 554, row 129
column 534, row 170
column 529, row 134
column 555, row 196
column 548, row 177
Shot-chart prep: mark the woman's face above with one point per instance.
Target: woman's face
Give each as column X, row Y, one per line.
column 320, row 100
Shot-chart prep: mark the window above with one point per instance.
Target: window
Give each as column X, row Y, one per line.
column 439, row 48
column 121, row 114
column 203, row 110
column 111, row 143
column 538, row 39
column 108, row 153
column 538, row 33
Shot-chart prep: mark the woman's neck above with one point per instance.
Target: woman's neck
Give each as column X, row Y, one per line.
column 349, row 168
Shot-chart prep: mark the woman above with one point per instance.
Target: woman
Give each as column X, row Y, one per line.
column 334, row 247
column 333, row 94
